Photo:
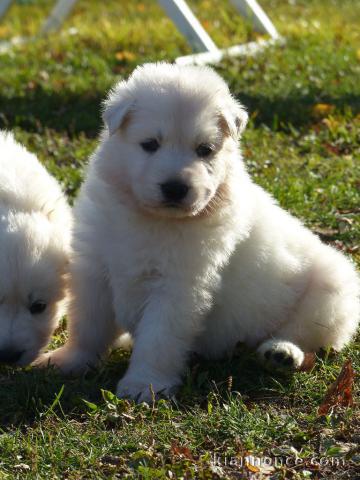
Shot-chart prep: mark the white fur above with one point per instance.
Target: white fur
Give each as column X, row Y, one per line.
column 229, row 265
column 35, row 235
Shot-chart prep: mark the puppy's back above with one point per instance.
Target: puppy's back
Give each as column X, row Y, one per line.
column 26, row 186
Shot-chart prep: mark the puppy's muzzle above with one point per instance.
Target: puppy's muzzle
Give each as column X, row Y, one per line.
column 174, row 192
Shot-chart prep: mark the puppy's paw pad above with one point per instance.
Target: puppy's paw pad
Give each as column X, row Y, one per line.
column 281, row 355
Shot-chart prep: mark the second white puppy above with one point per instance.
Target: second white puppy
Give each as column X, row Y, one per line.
column 176, row 245
column 35, row 231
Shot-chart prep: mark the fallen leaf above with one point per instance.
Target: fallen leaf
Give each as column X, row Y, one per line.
column 322, row 109
column 180, row 451
column 340, row 392
column 308, row 363
column 252, row 468
column 125, row 56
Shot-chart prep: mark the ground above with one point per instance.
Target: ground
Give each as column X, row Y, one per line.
column 302, row 144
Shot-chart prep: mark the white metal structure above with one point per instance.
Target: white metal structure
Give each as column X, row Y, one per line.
column 200, row 41
column 4, row 5
column 251, row 10
column 188, row 25
column 61, row 10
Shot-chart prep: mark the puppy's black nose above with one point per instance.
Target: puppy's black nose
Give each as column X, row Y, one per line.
column 10, row 356
column 174, row 191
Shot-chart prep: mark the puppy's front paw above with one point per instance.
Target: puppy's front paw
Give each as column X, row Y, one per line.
column 281, row 355
column 67, row 360
column 142, row 391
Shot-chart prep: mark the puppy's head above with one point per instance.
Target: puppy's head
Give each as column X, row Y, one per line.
column 33, row 265
column 171, row 134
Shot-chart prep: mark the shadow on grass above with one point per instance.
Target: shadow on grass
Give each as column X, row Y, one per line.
column 28, row 394
column 243, row 373
column 294, row 109
column 61, row 112
column 73, row 113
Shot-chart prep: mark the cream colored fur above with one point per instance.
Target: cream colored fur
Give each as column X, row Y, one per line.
column 227, row 265
column 35, row 234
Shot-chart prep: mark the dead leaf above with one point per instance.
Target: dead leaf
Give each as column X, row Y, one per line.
column 321, row 110
column 308, row 363
column 340, row 392
column 181, row 451
column 125, row 56
column 252, row 468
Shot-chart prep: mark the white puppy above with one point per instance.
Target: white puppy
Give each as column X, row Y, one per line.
column 176, row 245
column 35, row 222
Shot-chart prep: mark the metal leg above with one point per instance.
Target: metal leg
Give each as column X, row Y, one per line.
column 58, row 15
column 4, row 5
column 251, row 10
column 189, row 25
column 200, row 41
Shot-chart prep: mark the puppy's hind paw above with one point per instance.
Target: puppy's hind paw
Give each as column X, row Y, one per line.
column 281, row 355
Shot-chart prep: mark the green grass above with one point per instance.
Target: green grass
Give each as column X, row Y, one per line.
column 306, row 154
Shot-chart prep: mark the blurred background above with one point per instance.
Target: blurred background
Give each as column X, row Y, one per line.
column 303, row 97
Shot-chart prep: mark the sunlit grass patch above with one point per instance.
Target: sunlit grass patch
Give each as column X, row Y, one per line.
column 302, row 144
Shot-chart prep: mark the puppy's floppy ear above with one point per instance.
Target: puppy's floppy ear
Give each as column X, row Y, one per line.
column 117, row 107
column 235, row 118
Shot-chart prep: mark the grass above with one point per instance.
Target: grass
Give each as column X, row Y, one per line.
column 302, row 144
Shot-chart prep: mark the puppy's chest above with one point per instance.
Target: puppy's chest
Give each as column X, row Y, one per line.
column 141, row 260
column 137, row 271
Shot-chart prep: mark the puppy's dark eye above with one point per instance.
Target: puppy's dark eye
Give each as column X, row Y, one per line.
column 150, row 145
column 203, row 150
column 37, row 307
